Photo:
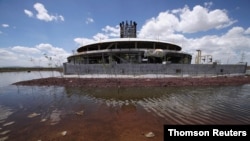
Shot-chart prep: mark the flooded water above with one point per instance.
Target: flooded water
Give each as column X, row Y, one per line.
column 32, row 113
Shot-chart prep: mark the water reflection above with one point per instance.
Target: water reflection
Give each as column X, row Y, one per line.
column 5, row 112
column 44, row 113
column 179, row 106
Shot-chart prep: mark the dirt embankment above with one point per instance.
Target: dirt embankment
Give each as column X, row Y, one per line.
column 136, row 82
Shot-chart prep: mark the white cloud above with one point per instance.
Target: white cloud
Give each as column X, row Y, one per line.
column 247, row 31
column 5, row 25
column 7, row 55
column 186, row 21
column 100, row 36
column 61, row 17
column 89, row 20
column 202, row 19
column 29, row 13
column 44, row 47
column 208, row 4
column 30, row 56
column 162, row 25
column 49, row 49
column 109, row 32
column 83, row 41
column 42, row 14
column 112, row 31
column 227, row 48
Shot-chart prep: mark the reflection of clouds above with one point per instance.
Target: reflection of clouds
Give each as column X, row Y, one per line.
column 117, row 94
column 127, row 105
column 177, row 107
column 5, row 112
column 55, row 117
column 114, row 103
column 128, row 108
column 199, row 106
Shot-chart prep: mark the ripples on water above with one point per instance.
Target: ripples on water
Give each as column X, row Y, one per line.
column 120, row 112
column 220, row 105
column 188, row 105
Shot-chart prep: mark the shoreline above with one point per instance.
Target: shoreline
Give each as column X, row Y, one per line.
column 136, row 82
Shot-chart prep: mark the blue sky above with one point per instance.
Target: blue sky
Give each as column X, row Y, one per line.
column 31, row 28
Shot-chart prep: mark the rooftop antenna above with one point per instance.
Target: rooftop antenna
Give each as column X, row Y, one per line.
column 242, row 57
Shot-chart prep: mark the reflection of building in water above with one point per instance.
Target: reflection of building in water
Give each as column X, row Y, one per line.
column 128, row 108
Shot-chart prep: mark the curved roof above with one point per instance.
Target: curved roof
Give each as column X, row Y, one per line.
column 128, row 43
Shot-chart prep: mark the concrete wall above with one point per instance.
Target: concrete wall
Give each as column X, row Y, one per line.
column 141, row 69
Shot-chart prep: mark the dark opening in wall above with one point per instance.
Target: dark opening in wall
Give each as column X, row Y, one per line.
column 221, row 70
column 178, row 70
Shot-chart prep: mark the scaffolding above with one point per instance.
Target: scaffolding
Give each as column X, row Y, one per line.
column 203, row 59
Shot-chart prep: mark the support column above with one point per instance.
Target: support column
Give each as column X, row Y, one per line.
column 136, row 45
column 139, row 57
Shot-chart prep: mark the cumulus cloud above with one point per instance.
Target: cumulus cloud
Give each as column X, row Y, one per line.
column 100, row 36
column 112, row 31
column 43, row 14
column 173, row 26
column 247, row 31
column 29, row 13
column 109, row 32
column 21, row 49
column 83, row 41
column 30, row 56
column 227, row 48
column 50, row 50
column 202, row 19
column 89, row 20
column 208, row 4
column 162, row 25
column 5, row 25
column 186, row 20
column 7, row 55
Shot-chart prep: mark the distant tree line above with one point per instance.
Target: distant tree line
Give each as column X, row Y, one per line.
column 28, row 69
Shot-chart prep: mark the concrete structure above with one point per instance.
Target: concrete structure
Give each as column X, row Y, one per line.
column 129, row 55
column 157, row 69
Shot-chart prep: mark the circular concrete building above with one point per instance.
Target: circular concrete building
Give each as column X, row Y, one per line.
column 129, row 55
column 130, row 50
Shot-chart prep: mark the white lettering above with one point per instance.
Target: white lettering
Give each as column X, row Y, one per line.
column 217, row 132
column 174, row 132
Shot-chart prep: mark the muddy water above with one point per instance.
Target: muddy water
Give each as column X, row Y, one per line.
column 124, row 114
